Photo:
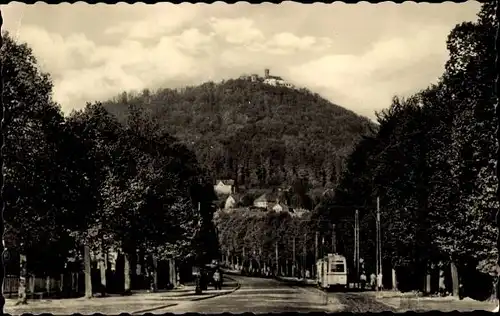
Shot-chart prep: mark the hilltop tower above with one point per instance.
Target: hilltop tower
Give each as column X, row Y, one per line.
column 266, row 73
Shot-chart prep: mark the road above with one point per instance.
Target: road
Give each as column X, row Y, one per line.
column 259, row 295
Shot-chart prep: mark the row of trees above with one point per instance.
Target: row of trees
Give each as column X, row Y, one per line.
column 253, row 237
column 432, row 164
column 87, row 182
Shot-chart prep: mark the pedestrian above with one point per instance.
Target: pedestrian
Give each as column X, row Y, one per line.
column 379, row 282
column 363, row 280
column 373, row 281
column 217, row 278
column 442, row 286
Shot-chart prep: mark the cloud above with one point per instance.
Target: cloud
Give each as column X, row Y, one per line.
column 194, row 41
column 368, row 81
column 167, row 19
column 240, row 31
column 59, row 53
column 244, row 32
column 287, row 43
column 83, row 71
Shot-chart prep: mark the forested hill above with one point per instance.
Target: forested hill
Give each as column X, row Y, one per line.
column 260, row 135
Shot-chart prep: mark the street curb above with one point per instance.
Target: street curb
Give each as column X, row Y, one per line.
column 143, row 311
column 238, row 285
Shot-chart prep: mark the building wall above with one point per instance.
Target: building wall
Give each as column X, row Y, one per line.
column 262, row 204
column 230, row 203
column 222, row 188
column 271, row 82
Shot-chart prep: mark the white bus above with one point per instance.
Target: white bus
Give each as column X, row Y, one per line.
column 332, row 271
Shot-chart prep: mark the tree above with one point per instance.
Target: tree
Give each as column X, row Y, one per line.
column 32, row 126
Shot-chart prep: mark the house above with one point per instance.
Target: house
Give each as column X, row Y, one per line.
column 230, row 202
column 224, row 186
column 298, row 212
column 275, row 80
column 261, row 201
column 280, row 207
column 266, row 200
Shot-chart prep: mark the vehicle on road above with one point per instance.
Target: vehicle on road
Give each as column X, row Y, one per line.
column 332, row 271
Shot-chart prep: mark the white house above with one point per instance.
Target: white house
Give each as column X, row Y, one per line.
column 275, row 80
column 224, row 186
column 279, row 207
column 271, row 81
column 230, row 203
column 299, row 212
column 261, row 201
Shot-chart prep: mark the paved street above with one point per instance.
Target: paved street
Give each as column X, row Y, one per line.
column 270, row 296
column 255, row 295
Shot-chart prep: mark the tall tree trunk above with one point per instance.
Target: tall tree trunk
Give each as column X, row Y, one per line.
column 441, row 283
column 494, row 289
column 394, row 280
column 172, row 273
column 454, row 279
column 126, row 273
column 102, row 270
column 22, row 298
column 155, row 273
column 428, row 282
column 88, row 271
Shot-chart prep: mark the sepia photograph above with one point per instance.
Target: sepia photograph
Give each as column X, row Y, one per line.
column 263, row 158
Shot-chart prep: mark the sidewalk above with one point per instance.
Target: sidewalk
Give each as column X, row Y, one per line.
column 411, row 302
column 138, row 303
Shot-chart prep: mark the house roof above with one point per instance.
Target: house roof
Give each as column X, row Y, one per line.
column 262, row 198
column 226, row 182
column 283, row 206
column 267, row 197
column 236, row 197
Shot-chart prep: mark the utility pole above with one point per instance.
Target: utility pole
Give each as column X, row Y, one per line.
column 379, row 246
column 357, row 244
column 315, row 251
column 243, row 258
column 304, row 257
column 322, row 252
column 355, row 239
column 277, row 260
column 334, row 240
column 294, row 259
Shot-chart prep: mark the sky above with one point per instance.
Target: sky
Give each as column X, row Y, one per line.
column 356, row 55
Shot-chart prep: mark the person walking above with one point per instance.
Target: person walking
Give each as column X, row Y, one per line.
column 217, row 279
column 363, row 280
column 373, row 281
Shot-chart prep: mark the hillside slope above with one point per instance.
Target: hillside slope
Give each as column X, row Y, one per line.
column 257, row 134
